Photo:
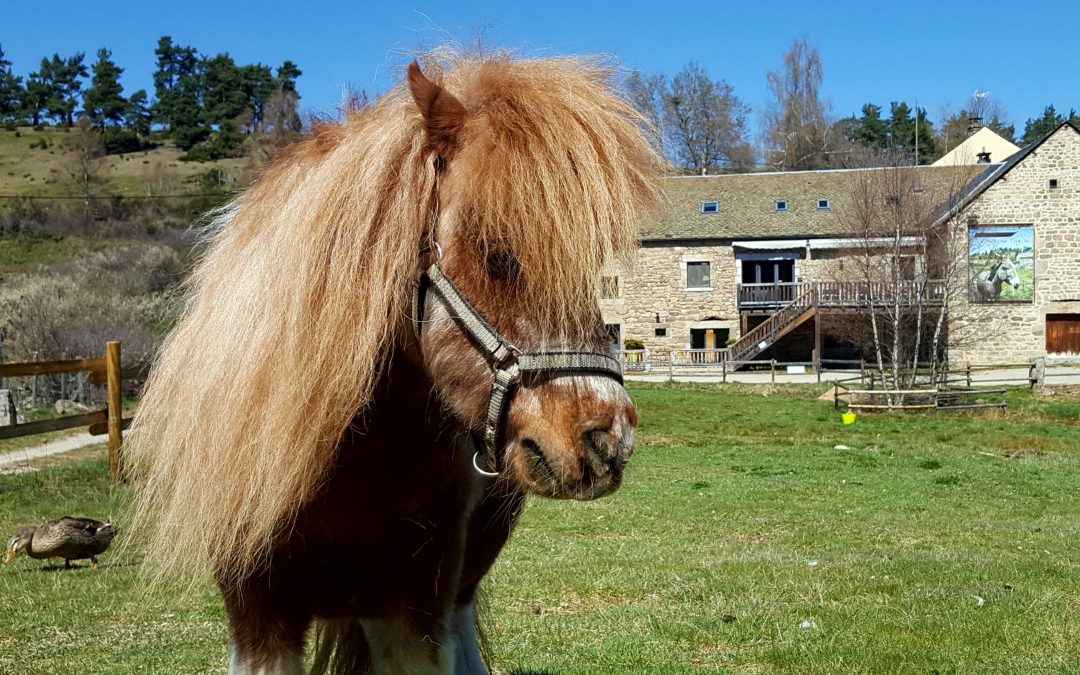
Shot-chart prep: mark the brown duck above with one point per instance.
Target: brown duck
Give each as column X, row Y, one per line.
column 68, row 538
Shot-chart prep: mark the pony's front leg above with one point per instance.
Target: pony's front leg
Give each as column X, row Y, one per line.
column 411, row 645
column 289, row 663
column 267, row 638
column 468, row 659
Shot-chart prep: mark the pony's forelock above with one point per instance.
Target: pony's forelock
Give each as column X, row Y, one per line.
column 293, row 311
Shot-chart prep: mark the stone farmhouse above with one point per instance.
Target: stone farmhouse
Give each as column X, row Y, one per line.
column 755, row 261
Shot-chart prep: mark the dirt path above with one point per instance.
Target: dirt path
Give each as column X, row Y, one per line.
column 53, row 447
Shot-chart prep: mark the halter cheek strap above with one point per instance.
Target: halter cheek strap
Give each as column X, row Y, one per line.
column 507, row 362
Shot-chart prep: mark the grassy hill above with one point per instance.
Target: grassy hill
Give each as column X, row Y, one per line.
column 38, row 163
column 73, row 276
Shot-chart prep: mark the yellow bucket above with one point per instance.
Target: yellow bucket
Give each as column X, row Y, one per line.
column 847, row 418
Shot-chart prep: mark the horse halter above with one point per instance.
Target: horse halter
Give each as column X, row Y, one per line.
column 508, row 363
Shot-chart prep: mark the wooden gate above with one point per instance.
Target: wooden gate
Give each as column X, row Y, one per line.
column 1063, row 333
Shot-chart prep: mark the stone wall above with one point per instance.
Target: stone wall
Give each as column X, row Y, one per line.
column 656, row 285
column 1016, row 332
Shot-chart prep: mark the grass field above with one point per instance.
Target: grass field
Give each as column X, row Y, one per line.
column 26, row 168
column 743, row 540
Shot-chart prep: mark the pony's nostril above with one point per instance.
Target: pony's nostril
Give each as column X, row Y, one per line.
column 599, row 442
column 536, row 456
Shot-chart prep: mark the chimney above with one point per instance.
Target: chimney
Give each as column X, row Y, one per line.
column 982, row 157
column 974, row 124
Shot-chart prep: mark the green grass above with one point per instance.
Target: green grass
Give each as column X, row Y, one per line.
column 738, row 521
column 27, row 254
column 28, row 169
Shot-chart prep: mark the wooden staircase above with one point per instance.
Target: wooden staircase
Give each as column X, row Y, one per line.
column 786, row 319
column 799, row 302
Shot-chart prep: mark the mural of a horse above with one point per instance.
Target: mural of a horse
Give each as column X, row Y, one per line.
column 393, row 336
column 987, row 284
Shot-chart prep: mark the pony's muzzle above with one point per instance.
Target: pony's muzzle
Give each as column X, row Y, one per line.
column 573, row 445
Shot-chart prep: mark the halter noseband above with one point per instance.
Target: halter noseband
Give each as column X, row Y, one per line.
column 508, row 363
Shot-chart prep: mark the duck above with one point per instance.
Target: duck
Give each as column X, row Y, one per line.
column 69, row 538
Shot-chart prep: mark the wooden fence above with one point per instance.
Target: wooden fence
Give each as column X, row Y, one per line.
column 718, row 362
column 103, row 370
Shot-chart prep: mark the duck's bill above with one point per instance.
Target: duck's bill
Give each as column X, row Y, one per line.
column 9, row 555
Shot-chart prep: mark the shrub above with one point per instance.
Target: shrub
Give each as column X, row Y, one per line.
column 9, row 125
column 633, row 343
column 118, row 140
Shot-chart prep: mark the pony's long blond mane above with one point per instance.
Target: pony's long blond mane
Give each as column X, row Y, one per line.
column 293, row 312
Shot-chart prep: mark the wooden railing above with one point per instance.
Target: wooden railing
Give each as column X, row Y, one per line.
column 103, row 370
column 768, row 295
column 841, row 293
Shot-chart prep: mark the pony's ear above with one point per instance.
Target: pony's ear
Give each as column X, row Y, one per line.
column 443, row 114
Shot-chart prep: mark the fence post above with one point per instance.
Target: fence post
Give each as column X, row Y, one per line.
column 116, row 413
column 671, row 365
column 63, row 378
column 772, row 369
column 34, row 390
column 1037, row 372
column 968, row 369
column 862, row 371
column 816, row 364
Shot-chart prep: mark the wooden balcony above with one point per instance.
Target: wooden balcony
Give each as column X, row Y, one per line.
column 840, row 294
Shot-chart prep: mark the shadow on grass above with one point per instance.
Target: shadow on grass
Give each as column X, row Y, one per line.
column 75, row 567
column 531, row 672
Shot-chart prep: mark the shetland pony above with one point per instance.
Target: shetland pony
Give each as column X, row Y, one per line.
column 392, row 337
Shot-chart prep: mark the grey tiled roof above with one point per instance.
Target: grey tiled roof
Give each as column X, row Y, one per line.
column 747, row 203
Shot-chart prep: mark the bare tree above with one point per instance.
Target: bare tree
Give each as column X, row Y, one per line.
column 646, row 93
column 705, row 122
column 981, row 109
column 701, row 123
column 796, row 122
column 158, row 180
column 907, row 259
column 85, row 149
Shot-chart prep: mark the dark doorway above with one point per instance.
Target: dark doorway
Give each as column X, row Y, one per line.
column 768, row 271
column 697, row 337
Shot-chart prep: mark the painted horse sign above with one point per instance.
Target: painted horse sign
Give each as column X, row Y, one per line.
column 1002, row 263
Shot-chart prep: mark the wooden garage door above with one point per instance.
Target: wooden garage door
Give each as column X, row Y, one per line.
column 1063, row 333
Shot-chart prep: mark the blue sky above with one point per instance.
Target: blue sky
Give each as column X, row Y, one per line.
column 876, row 52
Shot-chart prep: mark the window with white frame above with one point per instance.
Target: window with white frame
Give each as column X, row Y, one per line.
column 697, row 275
column 710, row 207
column 781, row 205
column 823, row 204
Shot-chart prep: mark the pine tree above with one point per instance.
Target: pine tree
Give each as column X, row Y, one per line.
column 11, row 91
column 258, row 84
column 1036, row 128
column 62, row 79
column 103, row 101
column 872, row 131
column 137, row 113
column 286, row 76
column 176, row 88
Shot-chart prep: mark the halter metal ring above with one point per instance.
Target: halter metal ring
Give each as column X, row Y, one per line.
column 482, row 472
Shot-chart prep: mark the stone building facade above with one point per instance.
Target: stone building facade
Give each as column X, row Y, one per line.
column 1040, row 189
column 789, row 227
